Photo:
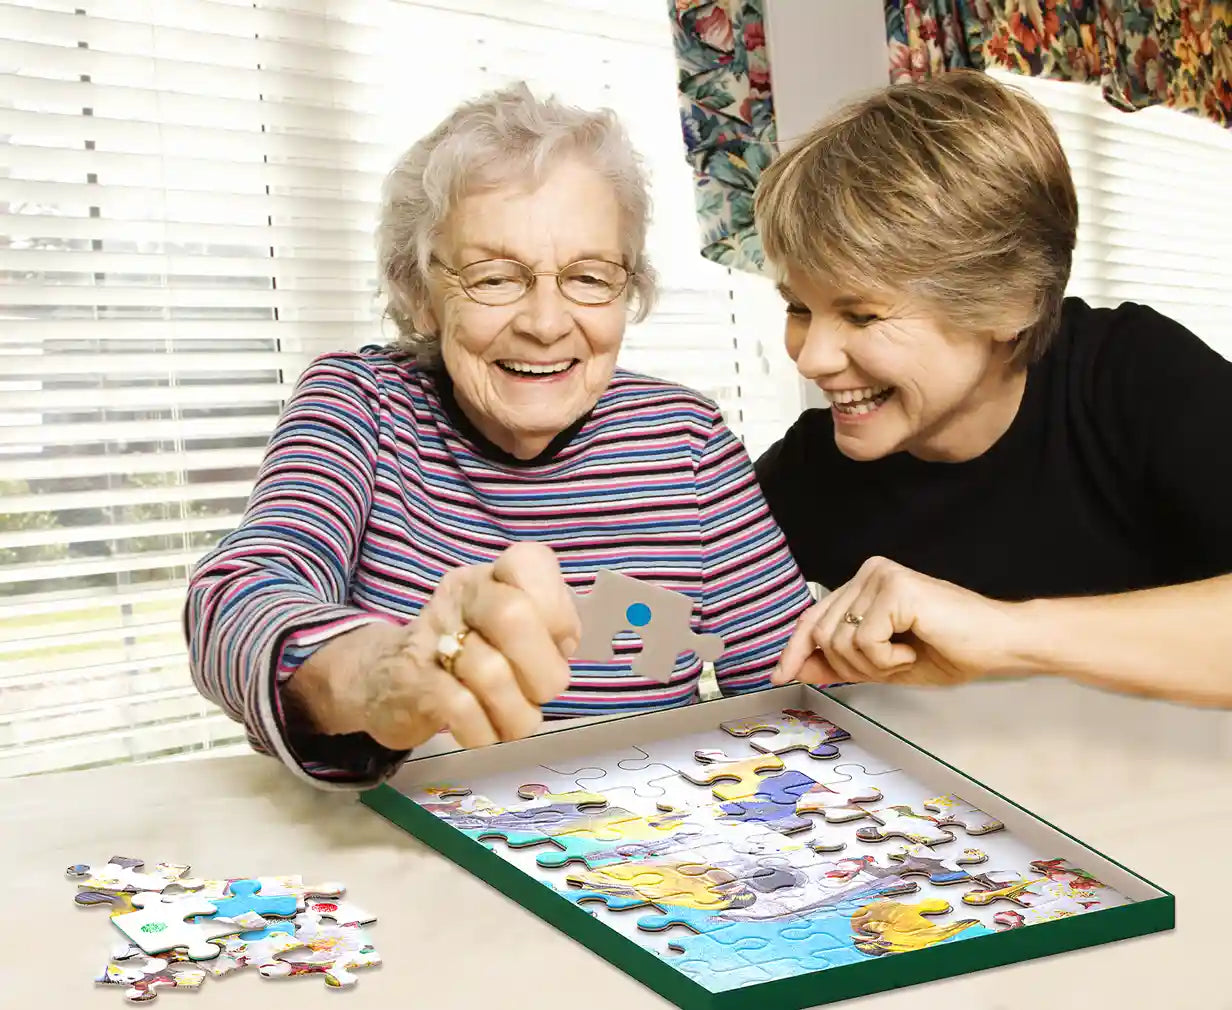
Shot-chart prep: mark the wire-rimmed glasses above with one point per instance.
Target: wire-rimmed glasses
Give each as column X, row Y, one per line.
column 504, row 281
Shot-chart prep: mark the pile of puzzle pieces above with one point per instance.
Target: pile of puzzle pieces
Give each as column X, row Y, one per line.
column 174, row 929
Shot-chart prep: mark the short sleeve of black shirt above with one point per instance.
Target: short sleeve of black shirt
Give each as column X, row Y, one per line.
column 1115, row 475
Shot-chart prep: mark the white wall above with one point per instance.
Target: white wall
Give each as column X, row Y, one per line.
column 823, row 54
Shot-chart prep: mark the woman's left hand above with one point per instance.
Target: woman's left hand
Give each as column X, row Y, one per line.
column 890, row 623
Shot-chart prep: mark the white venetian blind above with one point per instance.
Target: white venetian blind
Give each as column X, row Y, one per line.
column 186, row 207
column 1152, row 185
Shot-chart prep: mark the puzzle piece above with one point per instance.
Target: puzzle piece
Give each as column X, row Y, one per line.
column 895, row 927
column 957, row 811
column 912, row 860
column 332, row 951
column 160, row 925
column 1062, row 891
column 143, row 976
column 659, row 616
column 540, row 795
column 836, row 802
column 775, row 802
column 793, row 729
column 123, row 874
column 240, row 952
column 995, row 887
column 245, row 896
column 900, row 821
column 662, row 883
column 119, row 902
column 745, row 772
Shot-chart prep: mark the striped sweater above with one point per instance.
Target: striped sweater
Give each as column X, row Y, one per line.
column 374, row 484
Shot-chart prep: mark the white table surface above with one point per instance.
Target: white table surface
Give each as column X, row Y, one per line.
column 1147, row 783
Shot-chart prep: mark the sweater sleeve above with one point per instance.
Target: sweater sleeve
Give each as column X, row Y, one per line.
column 277, row 588
column 753, row 590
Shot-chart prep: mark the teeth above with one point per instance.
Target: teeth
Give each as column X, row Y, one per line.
column 531, row 369
column 856, row 395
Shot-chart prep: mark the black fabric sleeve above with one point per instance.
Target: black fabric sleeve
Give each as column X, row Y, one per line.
column 1168, row 396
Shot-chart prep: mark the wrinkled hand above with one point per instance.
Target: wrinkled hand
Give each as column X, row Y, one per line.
column 912, row 629
column 523, row 627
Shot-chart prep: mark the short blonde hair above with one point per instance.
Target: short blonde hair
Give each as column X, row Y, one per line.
column 503, row 137
column 954, row 190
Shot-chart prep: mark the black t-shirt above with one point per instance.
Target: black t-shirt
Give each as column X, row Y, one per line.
column 1116, row 474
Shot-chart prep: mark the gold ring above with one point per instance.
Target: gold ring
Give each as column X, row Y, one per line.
column 449, row 648
column 851, row 618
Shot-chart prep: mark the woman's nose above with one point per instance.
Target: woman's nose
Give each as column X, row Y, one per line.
column 823, row 353
column 544, row 312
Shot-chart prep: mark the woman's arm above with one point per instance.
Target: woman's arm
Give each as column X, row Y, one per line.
column 1174, row 642
column 753, row 591
column 275, row 589
column 893, row 624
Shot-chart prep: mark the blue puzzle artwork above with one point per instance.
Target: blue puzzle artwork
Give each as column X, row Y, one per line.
column 245, row 897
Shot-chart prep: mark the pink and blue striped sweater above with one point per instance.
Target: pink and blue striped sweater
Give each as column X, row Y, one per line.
column 374, row 484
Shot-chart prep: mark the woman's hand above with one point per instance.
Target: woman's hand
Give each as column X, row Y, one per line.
column 890, row 623
column 387, row 680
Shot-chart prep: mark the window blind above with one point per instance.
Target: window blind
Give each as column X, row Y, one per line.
column 187, row 200
column 1150, row 185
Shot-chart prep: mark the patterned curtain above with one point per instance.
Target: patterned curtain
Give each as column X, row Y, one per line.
column 1176, row 53
column 728, row 119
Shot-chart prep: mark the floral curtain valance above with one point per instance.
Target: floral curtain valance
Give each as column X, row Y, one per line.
column 727, row 115
column 1176, row 53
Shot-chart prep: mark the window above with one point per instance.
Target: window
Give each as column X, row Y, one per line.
column 1151, row 228
column 186, row 207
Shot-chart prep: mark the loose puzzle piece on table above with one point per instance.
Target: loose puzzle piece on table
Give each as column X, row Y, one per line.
column 659, row 616
column 957, row 811
column 793, row 729
column 331, row 951
column 894, row 927
column 160, row 925
column 239, row 952
column 123, row 874
column 745, row 771
column 144, row 976
column 245, row 896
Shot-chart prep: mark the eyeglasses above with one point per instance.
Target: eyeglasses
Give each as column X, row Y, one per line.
column 503, row 282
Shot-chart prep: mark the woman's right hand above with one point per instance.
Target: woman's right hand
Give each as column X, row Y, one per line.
column 387, row 680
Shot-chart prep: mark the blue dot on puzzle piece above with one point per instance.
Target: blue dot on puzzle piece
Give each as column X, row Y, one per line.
column 638, row 615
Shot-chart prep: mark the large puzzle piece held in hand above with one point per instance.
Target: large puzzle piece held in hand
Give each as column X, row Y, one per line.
column 659, row 616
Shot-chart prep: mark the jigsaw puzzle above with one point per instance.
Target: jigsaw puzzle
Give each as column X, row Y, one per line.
column 660, row 617
column 755, row 858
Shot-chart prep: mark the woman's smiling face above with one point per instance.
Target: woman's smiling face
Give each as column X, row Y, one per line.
column 899, row 379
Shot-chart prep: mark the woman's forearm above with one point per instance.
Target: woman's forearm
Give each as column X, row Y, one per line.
column 1174, row 642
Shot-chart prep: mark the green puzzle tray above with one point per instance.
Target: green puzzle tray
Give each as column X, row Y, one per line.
column 774, row 880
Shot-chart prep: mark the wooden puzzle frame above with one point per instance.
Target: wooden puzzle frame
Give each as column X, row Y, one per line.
column 1151, row 910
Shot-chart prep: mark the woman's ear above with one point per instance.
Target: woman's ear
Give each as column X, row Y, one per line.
column 423, row 316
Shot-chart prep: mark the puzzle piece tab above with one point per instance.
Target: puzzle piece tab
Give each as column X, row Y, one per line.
column 912, row 859
column 659, row 616
column 955, row 810
column 160, row 925
column 793, row 729
column 745, row 771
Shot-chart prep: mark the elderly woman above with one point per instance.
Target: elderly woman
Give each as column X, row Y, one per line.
column 1007, row 480
column 405, row 563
